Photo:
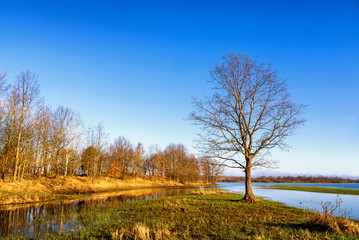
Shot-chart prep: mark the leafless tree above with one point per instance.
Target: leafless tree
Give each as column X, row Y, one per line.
column 97, row 137
column 22, row 105
column 3, row 117
column 121, row 157
column 65, row 133
column 43, row 140
column 179, row 165
column 249, row 114
column 73, row 134
column 139, row 156
column 211, row 169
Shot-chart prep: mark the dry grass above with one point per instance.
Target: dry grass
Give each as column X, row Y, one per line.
column 47, row 189
column 327, row 222
column 141, row 231
column 207, row 192
column 162, row 233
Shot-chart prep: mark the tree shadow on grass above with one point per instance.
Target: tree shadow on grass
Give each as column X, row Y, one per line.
column 298, row 227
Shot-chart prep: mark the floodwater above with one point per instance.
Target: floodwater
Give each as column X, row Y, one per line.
column 306, row 200
column 33, row 220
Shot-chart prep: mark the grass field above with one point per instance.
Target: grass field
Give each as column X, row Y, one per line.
column 315, row 189
column 207, row 215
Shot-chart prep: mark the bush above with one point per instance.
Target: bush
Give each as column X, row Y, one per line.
column 326, row 221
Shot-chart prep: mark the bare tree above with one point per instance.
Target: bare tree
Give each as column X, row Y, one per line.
column 43, row 140
column 211, row 169
column 73, row 133
column 121, row 157
column 139, row 156
column 3, row 119
column 97, row 137
column 65, row 133
column 22, row 105
column 249, row 114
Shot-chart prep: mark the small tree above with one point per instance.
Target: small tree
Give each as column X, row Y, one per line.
column 249, row 114
column 210, row 170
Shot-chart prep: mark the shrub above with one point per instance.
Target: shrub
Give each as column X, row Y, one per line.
column 326, row 221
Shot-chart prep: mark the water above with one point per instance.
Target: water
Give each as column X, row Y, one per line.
column 307, row 200
column 61, row 216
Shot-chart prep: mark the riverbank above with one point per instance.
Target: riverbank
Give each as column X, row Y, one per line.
column 210, row 214
column 50, row 189
column 346, row 191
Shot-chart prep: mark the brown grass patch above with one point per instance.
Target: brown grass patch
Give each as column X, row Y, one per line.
column 207, row 192
column 141, row 231
column 327, row 222
column 47, row 189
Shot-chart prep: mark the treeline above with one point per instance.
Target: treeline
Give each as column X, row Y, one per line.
column 38, row 140
column 290, row 179
column 305, row 179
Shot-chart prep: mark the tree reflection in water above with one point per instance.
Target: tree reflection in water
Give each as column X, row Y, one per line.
column 61, row 216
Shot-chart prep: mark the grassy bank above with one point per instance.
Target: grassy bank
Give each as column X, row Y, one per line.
column 48, row 189
column 213, row 215
column 316, row 189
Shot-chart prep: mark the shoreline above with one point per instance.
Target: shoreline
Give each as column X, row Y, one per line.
column 44, row 189
column 316, row 189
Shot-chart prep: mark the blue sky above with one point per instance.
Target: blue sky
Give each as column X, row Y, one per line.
column 134, row 65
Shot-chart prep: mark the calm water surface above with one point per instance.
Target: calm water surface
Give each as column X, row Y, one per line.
column 36, row 219
column 307, row 200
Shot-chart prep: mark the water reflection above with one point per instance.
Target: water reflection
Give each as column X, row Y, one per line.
column 37, row 219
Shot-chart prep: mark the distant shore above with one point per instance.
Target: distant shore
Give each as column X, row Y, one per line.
column 346, row 191
column 49, row 189
column 290, row 179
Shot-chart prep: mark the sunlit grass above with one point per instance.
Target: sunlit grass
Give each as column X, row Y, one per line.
column 206, row 191
column 50, row 189
column 201, row 216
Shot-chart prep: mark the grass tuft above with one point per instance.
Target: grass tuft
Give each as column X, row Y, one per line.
column 141, row 231
column 162, row 232
column 326, row 221
column 207, row 192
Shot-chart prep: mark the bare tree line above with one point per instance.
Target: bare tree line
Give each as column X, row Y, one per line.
column 37, row 140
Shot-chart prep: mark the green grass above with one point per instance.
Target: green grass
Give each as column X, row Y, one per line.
column 315, row 189
column 196, row 216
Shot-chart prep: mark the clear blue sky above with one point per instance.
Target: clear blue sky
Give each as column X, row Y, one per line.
column 134, row 65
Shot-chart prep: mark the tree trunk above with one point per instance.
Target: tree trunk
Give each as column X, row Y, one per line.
column 66, row 164
column 101, row 166
column 15, row 170
column 249, row 196
column 22, row 172
column 57, row 166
